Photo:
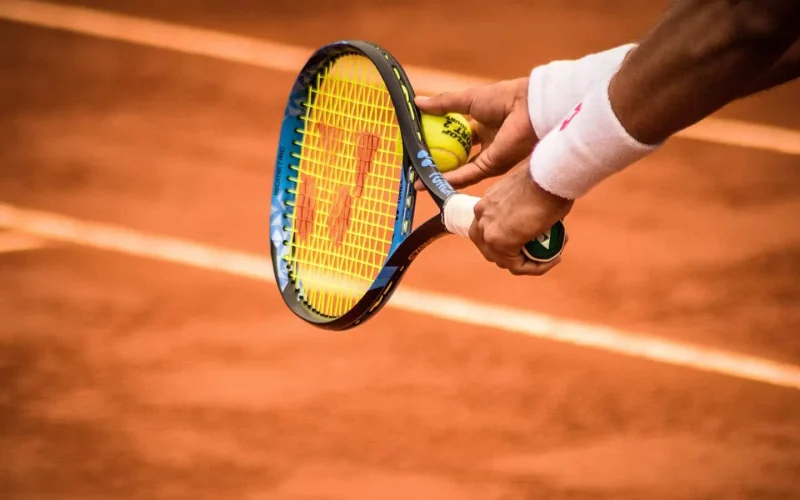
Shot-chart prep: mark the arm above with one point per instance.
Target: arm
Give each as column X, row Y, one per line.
column 701, row 56
column 549, row 94
column 785, row 70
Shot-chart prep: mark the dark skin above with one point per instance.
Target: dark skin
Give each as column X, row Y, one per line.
column 785, row 69
column 702, row 55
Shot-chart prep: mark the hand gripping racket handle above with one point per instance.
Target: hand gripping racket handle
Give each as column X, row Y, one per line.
column 459, row 213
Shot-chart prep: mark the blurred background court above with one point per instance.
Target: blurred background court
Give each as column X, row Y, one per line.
column 138, row 367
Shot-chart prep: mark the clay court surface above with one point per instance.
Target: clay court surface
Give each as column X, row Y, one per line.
column 123, row 377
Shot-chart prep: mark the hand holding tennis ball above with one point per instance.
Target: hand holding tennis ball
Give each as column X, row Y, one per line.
column 501, row 125
column 449, row 139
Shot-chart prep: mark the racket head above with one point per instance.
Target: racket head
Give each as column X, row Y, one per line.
column 343, row 198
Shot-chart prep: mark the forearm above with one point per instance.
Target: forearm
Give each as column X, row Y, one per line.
column 701, row 56
column 786, row 69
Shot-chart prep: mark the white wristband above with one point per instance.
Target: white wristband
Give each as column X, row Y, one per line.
column 589, row 146
column 555, row 88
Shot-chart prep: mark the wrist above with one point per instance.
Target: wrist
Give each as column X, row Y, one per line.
column 589, row 146
column 549, row 201
column 555, row 88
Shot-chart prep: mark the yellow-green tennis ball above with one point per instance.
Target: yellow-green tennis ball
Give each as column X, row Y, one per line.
column 449, row 139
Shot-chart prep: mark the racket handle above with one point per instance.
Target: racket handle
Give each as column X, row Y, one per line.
column 459, row 212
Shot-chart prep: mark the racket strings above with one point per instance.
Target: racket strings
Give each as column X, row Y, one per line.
column 348, row 180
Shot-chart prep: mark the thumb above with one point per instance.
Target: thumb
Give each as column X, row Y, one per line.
column 509, row 147
column 493, row 160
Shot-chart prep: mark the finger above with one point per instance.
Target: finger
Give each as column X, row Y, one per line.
column 505, row 261
column 476, row 235
column 489, row 252
column 447, row 102
column 462, row 177
column 475, row 126
column 524, row 267
column 466, row 176
column 481, row 134
column 507, row 149
column 491, row 255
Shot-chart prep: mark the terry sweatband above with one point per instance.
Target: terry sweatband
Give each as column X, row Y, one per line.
column 589, row 146
column 555, row 88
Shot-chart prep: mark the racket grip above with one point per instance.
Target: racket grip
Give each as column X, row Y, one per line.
column 459, row 213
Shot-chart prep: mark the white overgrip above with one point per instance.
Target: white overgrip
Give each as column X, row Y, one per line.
column 459, row 212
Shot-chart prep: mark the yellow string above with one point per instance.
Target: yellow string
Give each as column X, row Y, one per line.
column 347, row 108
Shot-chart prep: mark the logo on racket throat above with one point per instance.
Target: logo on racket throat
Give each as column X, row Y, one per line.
column 435, row 176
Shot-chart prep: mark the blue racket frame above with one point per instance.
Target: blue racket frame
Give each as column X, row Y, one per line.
column 417, row 163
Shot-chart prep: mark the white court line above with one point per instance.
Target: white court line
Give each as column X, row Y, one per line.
column 290, row 58
column 19, row 242
column 437, row 305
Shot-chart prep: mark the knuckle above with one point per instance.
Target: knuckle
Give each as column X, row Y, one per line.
column 493, row 237
column 470, row 97
column 475, row 234
column 545, row 268
column 479, row 209
column 485, row 161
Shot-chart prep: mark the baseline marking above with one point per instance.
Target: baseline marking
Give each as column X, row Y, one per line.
column 449, row 307
column 11, row 241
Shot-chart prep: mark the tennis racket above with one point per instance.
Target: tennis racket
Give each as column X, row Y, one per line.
column 341, row 223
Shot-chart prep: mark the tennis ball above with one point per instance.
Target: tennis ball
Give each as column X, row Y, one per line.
column 449, row 139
